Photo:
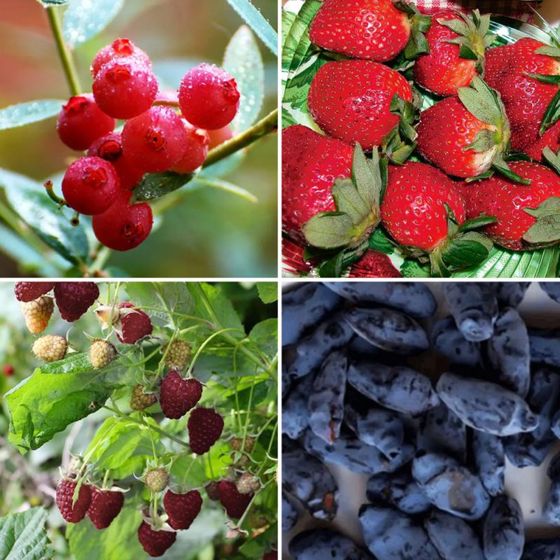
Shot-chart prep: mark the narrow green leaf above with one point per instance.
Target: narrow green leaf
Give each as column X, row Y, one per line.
column 481, row 102
column 477, row 223
column 349, row 201
column 500, row 165
column 229, row 188
column 47, row 3
column 547, row 227
column 156, row 185
column 23, row 536
column 84, row 19
column 328, row 230
column 256, row 21
column 552, row 158
column 29, row 112
column 549, row 51
column 552, row 113
column 545, row 78
column 367, row 177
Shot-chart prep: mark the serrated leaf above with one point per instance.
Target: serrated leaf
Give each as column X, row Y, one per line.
column 467, row 250
column 480, row 100
column 83, row 19
column 29, row 112
column 547, row 227
column 268, row 291
column 348, row 200
column 328, row 230
column 23, row 536
column 244, row 62
column 156, row 185
column 456, row 25
column 265, row 336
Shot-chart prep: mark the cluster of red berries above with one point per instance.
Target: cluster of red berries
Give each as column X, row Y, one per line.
column 155, row 138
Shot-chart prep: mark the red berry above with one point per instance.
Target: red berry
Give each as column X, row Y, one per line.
column 182, row 509
column 213, row 491
column 72, row 512
column 81, row 122
column 104, row 507
column 134, row 324
column 208, row 97
column 233, row 501
column 196, row 150
column 155, row 140
column 109, row 148
column 73, row 299
column 271, row 555
column 123, row 226
column 8, row 370
column 219, row 136
column 28, row 291
column 155, row 543
column 374, row 265
column 124, row 88
column 90, row 185
column 205, row 426
column 177, row 395
column 119, row 49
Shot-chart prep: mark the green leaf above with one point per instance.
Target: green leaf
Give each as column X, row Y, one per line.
column 328, row 230
column 256, row 21
column 156, row 185
column 485, row 140
column 29, row 112
column 477, row 223
column 23, row 536
column 500, row 165
column 244, row 62
column 552, row 113
column 547, row 227
column 379, row 241
column 367, row 177
column 348, row 200
column 549, row 51
column 227, row 187
column 467, row 250
column 265, row 336
column 481, row 101
column 552, row 158
column 84, row 19
column 268, row 291
column 411, row 268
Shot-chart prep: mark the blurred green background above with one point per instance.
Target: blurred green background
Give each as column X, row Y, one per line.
column 209, row 233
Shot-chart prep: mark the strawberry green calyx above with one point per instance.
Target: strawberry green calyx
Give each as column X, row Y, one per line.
column 546, row 230
column 419, row 24
column 357, row 207
column 399, row 144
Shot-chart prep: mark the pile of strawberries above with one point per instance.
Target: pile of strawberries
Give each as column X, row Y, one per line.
column 478, row 167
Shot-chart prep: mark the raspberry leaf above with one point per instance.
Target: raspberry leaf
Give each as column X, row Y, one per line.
column 547, row 228
column 329, row 230
column 24, row 535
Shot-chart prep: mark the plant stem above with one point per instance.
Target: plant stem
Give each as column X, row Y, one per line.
column 63, row 51
column 265, row 126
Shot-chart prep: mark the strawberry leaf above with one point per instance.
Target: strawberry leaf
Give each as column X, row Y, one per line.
column 549, row 51
column 469, row 249
column 482, row 101
column 547, row 227
column 476, row 223
column 545, row 78
column 348, row 200
column 485, row 140
column 552, row 158
column 367, row 177
column 379, row 241
column 552, row 113
column 500, row 165
column 329, row 230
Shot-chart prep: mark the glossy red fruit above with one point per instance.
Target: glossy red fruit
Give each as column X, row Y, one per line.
column 310, row 165
column 208, row 97
column 73, row 299
column 124, row 88
column 233, row 501
column 104, row 507
column 219, row 136
column 72, row 512
column 134, row 324
column 81, row 122
column 195, row 150
column 177, row 395
column 90, row 185
column 120, row 48
column 8, row 370
column 182, row 509
column 414, row 206
column 155, row 140
column 369, row 29
column 205, row 427
column 123, row 226
column 351, row 100
column 28, row 291
column 155, row 543
column 374, row 265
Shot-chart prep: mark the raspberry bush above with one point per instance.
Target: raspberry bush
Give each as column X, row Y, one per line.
column 147, row 420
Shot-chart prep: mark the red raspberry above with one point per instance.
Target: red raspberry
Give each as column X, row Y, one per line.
column 182, row 509
column 155, row 140
column 8, row 370
column 155, row 543
column 109, row 148
column 81, row 122
column 219, row 136
column 73, row 299
column 233, row 501
column 90, row 185
column 124, row 88
column 64, row 500
column 205, row 426
column 123, row 226
column 196, row 150
column 208, row 97
column 104, row 507
column 177, row 395
column 119, row 49
column 134, row 323
column 271, row 555
column 28, row 291
column 213, row 491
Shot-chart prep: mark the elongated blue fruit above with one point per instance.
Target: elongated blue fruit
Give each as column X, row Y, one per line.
column 542, row 549
column 360, row 347
column 486, row 406
column 295, row 414
column 399, row 388
column 290, row 514
column 510, row 294
column 323, row 544
column 552, row 290
column 551, row 508
column 413, row 298
column 490, row 461
column 503, row 530
column 545, row 346
column 449, row 341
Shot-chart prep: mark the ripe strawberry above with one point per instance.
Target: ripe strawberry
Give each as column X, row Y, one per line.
column 247, row 483
column 205, row 426
column 177, row 354
column 293, row 260
column 140, row 399
column 444, row 70
column 155, row 542
column 73, row 299
column 50, row 348
column 177, row 395
column 311, row 164
column 156, row 479
column 521, row 211
column 104, row 507
column 37, row 313
column 374, row 264
column 70, row 511
column 352, row 100
column 182, row 509
column 28, row 291
column 133, row 325
column 369, row 29
column 101, row 353
column 233, row 501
